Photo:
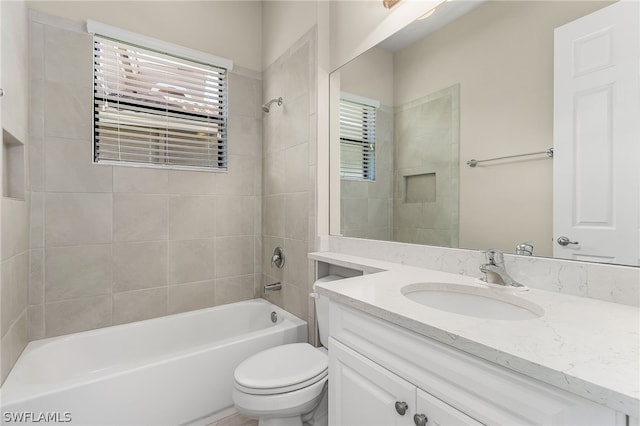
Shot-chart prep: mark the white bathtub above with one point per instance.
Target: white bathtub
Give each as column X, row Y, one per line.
column 164, row 371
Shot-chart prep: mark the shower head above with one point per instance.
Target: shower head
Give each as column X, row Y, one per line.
column 266, row 107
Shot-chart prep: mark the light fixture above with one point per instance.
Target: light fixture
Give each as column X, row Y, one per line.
column 390, row 3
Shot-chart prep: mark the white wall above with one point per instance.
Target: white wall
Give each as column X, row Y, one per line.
column 231, row 29
column 501, row 54
column 370, row 75
column 283, row 23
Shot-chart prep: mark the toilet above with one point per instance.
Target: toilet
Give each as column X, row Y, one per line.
column 287, row 385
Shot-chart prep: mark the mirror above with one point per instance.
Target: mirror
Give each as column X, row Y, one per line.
column 475, row 80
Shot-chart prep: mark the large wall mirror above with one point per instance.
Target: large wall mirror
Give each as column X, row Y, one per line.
column 475, row 81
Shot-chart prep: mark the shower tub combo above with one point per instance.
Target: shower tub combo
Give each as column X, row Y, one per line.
column 166, row 371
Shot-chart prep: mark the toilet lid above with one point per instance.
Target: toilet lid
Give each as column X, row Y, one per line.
column 281, row 369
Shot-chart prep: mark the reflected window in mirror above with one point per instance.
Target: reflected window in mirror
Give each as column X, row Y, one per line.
column 357, row 138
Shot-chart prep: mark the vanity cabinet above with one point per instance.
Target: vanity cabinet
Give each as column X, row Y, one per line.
column 378, row 370
column 362, row 393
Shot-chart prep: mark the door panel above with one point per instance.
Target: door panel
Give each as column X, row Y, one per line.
column 596, row 129
column 361, row 393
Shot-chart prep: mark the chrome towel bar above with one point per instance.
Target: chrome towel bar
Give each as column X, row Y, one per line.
column 474, row 162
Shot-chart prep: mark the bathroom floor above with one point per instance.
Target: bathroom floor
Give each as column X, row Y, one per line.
column 235, row 420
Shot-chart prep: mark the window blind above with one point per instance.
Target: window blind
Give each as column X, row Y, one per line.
column 357, row 140
column 155, row 109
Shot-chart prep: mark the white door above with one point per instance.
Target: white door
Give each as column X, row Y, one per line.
column 597, row 136
column 362, row 393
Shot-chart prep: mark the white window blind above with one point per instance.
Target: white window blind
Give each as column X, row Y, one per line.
column 155, row 109
column 357, row 140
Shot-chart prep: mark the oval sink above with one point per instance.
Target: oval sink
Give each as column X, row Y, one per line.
column 472, row 301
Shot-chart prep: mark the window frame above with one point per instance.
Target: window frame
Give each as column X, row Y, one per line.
column 363, row 136
column 179, row 145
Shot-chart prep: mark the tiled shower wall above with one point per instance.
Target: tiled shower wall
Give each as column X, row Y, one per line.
column 426, row 149
column 14, row 210
column 366, row 207
column 114, row 244
column 289, row 176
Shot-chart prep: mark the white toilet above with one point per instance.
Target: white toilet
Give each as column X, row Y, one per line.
column 287, row 385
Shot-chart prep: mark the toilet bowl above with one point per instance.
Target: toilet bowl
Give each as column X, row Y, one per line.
column 287, row 385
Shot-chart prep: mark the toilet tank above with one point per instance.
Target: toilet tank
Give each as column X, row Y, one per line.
column 322, row 310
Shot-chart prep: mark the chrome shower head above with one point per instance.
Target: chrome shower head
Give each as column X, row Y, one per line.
column 266, row 107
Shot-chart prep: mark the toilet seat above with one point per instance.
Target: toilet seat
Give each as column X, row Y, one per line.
column 281, row 369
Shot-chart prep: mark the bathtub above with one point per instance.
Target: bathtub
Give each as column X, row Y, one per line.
column 171, row 370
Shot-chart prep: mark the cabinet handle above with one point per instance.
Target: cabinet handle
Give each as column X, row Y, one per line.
column 420, row 420
column 401, row 407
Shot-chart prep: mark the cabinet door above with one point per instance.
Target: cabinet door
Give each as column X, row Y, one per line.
column 438, row 413
column 361, row 393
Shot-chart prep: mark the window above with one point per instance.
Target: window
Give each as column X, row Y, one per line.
column 357, row 138
column 157, row 109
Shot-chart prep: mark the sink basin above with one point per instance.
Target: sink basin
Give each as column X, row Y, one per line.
column 472, row 301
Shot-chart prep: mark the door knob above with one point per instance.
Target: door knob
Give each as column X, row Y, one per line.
column 565, row 241
column 420, row 419
column 401, row 407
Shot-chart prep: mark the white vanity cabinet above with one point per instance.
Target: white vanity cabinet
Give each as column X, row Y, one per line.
column 362, row 393
column 374, row 364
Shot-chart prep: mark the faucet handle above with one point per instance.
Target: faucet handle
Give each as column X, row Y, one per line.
column 494, row 256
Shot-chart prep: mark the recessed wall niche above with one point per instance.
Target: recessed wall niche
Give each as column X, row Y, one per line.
column 12, row 166
column 420, row 188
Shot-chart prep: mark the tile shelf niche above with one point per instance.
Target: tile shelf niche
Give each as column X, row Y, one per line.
column 12, row 167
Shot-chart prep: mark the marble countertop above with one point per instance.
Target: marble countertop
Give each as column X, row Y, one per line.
column 585, row 346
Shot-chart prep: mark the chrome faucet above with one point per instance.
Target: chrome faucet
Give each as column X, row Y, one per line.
column 495, row 264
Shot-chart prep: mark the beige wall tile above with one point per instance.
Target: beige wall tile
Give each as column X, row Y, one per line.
column 72, row 219
column 35, row 317
column 273, row 215
column 139, row 305
column 244, row 96
column 192, row 217
column 295, row 269
column 235, row 215
column 36, row 220
column 36, row 276
column 67, row 56
column 71, row 316
column 139, row 265
column 79, row 271
column 140, row 217
column 239, row 179
column 15, row 227
column 63, row 105
column 296, row 172
column 186, row 182
column 294, row 300
column 233, row 289
column 140, row 180
column 296, row 215
column 234, row 256
column 14, row 290
column 12, row 345
column 245, row 135
column 191, row 261
column 274, row 180
column 36, row 163
column 188, row 297
column 69, row 167
column 295, row 121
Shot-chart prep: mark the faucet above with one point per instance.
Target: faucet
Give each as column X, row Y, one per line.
column 495, row 264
